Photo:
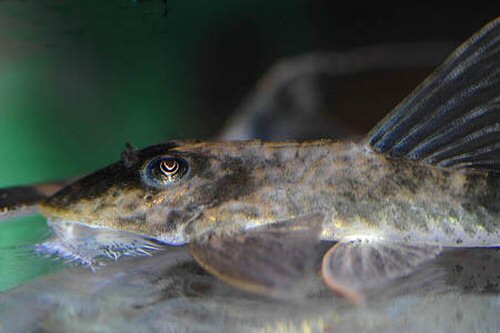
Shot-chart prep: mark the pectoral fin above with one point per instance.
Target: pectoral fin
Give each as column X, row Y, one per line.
column 273, row 260
column 350, row 268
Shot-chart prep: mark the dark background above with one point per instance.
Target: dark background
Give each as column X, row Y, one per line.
column 80, row 78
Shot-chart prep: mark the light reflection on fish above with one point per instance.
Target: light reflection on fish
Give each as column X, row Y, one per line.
column 424, row 179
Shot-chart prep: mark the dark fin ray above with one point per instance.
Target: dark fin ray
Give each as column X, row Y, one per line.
column 483, row 165
column 276, row 260
column 440, row 122
column 455, row 111
column 484, row 154
column 474, row 120
column 22, row 200
column 470, row 144
column 349, row 269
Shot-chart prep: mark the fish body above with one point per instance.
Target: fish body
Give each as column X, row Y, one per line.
column 363, row 195
column 426, row 177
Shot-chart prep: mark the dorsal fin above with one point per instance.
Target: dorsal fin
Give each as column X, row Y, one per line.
column 452, row 119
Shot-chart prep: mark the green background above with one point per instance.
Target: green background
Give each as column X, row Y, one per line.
column 78, row 79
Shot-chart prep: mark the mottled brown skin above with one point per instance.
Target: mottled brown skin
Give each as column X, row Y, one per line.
column 233, row 185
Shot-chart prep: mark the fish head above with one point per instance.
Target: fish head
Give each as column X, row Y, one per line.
column 163, row 191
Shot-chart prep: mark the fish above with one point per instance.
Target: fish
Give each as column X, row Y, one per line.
column 425, row 179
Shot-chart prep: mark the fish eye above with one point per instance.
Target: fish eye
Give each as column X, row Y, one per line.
column 169, row 167
column 165, row 170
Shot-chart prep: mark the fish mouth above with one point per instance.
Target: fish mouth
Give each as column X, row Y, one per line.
column 92, row 245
